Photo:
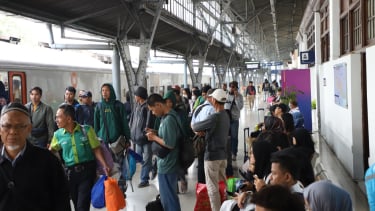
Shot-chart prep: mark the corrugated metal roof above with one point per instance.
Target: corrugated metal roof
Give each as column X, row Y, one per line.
column 114, row 18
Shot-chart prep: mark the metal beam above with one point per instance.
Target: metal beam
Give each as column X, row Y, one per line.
column 94, row 14
column 82, row 46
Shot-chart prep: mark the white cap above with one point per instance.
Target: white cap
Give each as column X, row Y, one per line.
column 220, row 95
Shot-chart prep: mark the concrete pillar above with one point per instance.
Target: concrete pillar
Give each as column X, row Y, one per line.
column 334, row 29
column 185, row 74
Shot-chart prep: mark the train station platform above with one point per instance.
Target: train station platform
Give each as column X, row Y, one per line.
column 326, row 166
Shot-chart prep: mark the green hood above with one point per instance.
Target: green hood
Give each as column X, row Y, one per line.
column 112, row 97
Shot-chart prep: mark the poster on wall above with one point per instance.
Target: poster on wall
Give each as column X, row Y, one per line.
column 340, row 83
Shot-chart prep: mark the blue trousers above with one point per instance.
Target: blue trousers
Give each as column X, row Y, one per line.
column 146, row 152
column 234, row 124
column 168, row 192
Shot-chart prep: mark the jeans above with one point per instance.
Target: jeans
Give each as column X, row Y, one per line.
column 234, row 124
column 146, row 151
column 168, row 192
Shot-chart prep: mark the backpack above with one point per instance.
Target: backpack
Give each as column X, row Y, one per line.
column 106, row 154
column 370, row 186
column 186, row 155
column 129, row 166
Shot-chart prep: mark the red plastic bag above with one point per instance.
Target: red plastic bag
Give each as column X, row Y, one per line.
column 114, row 198
column 203, row 201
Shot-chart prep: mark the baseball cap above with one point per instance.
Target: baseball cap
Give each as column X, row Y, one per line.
column 220, row 95
column 86, row 94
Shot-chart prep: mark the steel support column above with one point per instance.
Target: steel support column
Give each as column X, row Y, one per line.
column 196, row 78
column 124, row 53
column 144, row 51
column 116, row 82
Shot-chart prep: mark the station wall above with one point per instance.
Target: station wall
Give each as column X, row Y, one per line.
column 370, row 54
column 340, row 126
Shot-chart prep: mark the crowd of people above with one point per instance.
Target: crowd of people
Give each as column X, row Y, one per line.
column 279, row 174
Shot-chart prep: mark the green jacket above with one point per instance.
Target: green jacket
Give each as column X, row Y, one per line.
column 113, row 112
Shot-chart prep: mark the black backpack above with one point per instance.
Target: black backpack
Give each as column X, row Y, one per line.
column 187, row 152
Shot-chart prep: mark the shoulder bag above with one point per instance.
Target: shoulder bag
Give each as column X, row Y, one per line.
column 155, row 205
column 121, row 143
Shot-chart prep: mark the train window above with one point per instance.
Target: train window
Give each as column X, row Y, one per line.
column 152, row 90
column 17, row 87
column 161, row 90
column 3, row 88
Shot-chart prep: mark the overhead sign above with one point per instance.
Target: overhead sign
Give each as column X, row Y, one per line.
column 307, row 57
column 252, row 65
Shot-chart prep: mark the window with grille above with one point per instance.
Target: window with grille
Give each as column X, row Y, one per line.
column 325, row 48
column 357, row 28
column 344, row 35
column 311, row 33
column 370, row 21
column 324, row 26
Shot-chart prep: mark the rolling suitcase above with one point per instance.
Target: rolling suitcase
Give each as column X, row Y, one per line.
column 250, row 137
column 246, row 134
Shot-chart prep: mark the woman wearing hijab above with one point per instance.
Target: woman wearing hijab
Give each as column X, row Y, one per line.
column 325, row 196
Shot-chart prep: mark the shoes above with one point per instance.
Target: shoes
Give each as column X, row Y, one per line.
column 234, row 158
column 143, row 184
column 183, row 186
column 154, row 169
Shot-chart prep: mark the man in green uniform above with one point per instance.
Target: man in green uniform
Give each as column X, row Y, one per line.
column 80, row 147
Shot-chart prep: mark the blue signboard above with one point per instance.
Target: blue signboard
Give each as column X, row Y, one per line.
column 307, row 57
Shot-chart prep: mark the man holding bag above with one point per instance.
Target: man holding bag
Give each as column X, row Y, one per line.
column 79, row 150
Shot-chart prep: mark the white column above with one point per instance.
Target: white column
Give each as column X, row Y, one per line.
column 334, row 29
column 318, row 47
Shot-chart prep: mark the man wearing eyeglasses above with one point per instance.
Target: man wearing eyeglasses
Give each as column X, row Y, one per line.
column 31, row 178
